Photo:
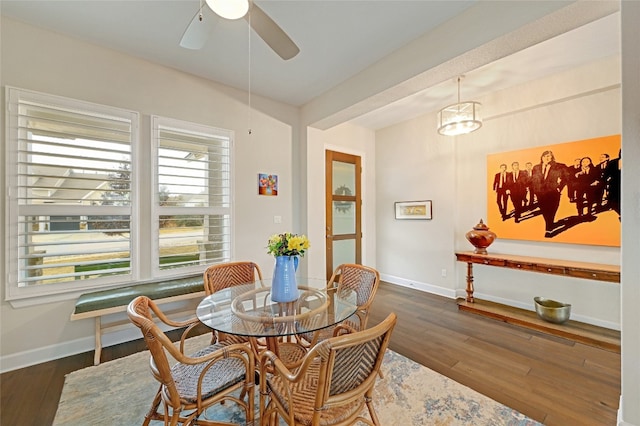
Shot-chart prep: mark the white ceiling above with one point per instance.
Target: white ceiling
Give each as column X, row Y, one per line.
column 337, row 40
column 589, row 43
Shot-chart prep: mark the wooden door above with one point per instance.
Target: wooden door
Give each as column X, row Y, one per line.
column 343, row 210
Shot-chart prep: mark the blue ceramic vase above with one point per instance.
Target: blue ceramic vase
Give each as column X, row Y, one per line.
column 284, row 287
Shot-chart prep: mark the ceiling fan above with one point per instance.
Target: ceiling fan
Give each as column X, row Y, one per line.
column 200, row 27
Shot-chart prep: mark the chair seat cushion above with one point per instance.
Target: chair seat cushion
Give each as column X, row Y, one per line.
column 223, row 374
column 304, row 395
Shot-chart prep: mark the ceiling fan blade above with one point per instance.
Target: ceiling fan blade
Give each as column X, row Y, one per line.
column 271, row 33
column 199, row 29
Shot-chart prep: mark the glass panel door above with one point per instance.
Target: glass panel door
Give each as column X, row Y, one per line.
column 343, row 210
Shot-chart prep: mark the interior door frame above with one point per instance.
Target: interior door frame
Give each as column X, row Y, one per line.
column 330, row 197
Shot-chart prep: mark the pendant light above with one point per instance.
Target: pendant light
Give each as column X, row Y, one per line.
column 459, row 118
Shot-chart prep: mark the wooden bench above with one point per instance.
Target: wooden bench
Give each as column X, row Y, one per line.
column 100, row 303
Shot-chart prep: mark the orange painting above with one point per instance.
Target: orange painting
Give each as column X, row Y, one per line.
column 566, row 193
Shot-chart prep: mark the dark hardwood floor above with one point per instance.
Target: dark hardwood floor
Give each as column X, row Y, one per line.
column 550, row 379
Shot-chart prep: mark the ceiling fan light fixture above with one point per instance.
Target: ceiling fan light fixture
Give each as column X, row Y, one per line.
column 459, row 118
column 229, row 9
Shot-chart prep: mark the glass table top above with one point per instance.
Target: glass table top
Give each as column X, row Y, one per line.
column 247, row 309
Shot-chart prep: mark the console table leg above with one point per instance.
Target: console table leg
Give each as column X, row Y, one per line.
column 469, row 282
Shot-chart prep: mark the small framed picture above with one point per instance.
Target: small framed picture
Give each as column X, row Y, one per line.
column 267, row 184
column 417, row 210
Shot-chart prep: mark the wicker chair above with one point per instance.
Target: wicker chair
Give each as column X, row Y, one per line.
column 195, row 382
column 332, row 385
column 224, row 275
column 350, row 276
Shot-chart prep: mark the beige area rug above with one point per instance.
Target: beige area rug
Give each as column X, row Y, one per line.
column 119, row 393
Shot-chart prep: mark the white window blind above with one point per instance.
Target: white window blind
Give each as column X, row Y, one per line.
column 70, row 172
column 192, row 194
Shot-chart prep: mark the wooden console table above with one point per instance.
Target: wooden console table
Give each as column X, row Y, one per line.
column 592, row 335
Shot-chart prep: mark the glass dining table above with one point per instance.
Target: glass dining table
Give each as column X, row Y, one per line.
column 248, row 310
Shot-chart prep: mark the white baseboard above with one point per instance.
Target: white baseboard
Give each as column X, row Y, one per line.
column 619, row 420
column 429, row 288
column 461, row 293
column 31, row 357
column 43, row 354
column 529, row 307
column 61, row 350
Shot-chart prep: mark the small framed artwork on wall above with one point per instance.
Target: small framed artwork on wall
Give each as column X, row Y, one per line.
column 267, row 184
column 416, row 210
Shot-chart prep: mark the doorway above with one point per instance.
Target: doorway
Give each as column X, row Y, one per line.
column 343, row 210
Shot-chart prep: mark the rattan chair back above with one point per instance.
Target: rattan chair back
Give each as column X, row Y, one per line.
column 364, row 280
column 229, row 274
column 332, row 385
column 191, row 382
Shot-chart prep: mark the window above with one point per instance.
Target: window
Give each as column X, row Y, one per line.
column 78, row 208
column 70, row 173
column 192, row 194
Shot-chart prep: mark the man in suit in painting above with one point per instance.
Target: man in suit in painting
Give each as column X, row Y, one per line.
column 516, row 182
column 549, row 178
column 587, row 188
column 613, row 176
column 502, row 190
column 527, row 182
column 602, row 187
column 572, row 179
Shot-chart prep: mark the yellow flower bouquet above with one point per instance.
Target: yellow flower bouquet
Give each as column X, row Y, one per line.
column 287, row 244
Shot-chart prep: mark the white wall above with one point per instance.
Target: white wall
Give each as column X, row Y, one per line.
column 353, row 140
column 39, row 60
column 415, row 163
column 629, row 413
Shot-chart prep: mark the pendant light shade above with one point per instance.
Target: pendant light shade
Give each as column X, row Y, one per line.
column 229, row 9
column 459, row 118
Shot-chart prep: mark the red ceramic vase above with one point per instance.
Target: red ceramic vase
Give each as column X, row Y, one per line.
column 481, row 237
